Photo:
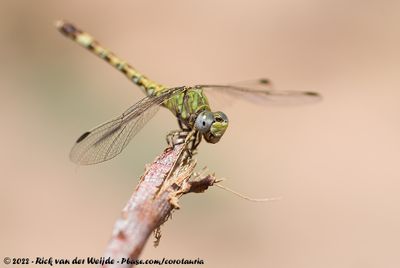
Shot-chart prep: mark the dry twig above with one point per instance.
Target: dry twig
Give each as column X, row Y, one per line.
column 166, row 179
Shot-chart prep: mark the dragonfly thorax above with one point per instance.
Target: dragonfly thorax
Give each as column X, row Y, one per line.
column 193, row 111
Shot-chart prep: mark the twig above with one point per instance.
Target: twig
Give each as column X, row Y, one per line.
column 149, row 206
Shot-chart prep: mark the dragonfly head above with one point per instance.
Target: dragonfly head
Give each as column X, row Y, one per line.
column 212, row 125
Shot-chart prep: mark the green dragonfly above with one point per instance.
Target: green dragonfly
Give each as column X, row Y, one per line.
column 189, row 104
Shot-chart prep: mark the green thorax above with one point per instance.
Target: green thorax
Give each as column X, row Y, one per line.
column 188, row 104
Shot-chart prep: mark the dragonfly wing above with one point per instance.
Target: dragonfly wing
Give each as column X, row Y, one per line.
column 109, row 139
column 261, row 92
column 258, row 84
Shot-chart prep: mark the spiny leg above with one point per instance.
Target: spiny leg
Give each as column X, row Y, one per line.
column 176, row 137
column 191, row 138
column 181, row 125
column 196, row 141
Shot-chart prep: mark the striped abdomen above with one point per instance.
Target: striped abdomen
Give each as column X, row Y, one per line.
column 184, row 105
column 87, row 41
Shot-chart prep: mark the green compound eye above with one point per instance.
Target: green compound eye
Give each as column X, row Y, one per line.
column 204, row 121
column 220, row 117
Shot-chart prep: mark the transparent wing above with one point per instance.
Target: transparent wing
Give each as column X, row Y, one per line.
column 109, row 139
column 261, row 92
column 257, row 84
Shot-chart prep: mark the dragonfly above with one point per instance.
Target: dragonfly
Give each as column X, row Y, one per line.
column 189, row 104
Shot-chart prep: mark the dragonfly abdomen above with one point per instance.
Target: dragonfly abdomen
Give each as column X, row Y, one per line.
column 87, row 41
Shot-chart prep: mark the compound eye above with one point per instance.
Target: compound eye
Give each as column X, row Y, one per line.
column 221, row 117
column 204, row 121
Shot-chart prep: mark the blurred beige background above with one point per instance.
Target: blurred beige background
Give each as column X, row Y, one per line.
column 335, row 163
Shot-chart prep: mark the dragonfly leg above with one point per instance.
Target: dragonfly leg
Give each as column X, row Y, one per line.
column 192, row 140
column 177, row 137
column 182, row 126
column 189, row 137
column 195, row 142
